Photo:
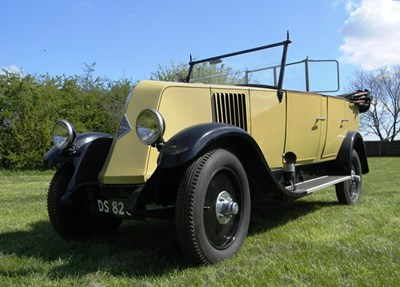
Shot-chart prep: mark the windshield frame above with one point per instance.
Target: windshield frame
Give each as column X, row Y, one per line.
column 285, row 45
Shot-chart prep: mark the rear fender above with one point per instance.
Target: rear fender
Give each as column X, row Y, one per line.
column 353, row 140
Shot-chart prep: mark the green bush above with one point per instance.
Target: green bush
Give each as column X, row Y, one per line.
column 30, row 105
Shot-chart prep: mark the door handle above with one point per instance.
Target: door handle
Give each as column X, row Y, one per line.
column 343, row 121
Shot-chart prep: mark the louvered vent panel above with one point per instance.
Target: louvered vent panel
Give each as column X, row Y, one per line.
column 230, row 108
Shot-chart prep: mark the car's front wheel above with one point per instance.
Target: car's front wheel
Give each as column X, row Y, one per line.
column 70, row 222
column 213, row 207
column 349, row 192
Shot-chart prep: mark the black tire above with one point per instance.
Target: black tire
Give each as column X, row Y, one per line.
column 74, row 223
column 349, row 192
column 217, row 176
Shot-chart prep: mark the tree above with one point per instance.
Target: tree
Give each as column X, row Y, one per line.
column 205, row 73
column 383, row 117
column 175, row 72
column 217, row 74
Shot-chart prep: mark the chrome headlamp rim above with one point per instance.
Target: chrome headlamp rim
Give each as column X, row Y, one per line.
column 62, row 141
column 150, row 131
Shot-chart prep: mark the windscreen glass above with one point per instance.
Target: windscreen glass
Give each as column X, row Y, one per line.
column 255, row 68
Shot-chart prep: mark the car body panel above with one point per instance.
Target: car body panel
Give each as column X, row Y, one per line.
column 306, row 123
column 128, row 158
column 277, row 126
column 343, row 117
column 268, row 124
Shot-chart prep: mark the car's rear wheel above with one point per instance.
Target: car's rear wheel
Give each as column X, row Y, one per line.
column 70, row 222
column 349, row 192
column 213, row 207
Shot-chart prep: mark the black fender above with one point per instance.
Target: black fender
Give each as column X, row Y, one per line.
column 353, row 140
column 87, row 157
column 188, row 144
column 55, row 157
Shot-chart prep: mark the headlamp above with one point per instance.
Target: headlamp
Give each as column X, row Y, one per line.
column 150, row 127
column 63, row 134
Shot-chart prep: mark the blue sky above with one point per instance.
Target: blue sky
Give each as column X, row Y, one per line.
column 129, row 39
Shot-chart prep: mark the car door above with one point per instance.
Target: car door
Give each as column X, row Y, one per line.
column 306, row 119
column 335, row 127
column 342, row 117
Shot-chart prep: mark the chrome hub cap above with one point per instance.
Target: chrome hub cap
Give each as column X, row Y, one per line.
column 355, row 181
column 225, row 207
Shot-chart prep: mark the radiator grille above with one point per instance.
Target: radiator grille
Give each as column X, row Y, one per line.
column 230, row 108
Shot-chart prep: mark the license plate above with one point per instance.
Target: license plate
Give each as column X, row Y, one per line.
column 114, row 207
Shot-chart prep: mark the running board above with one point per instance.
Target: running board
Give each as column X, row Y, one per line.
column 309, row 186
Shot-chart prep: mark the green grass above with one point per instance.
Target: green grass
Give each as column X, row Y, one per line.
column 310, row 242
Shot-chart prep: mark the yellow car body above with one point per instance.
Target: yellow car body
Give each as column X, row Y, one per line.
column 312, row 126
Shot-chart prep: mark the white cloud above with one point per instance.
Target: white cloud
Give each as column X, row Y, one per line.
column 87, row 5
column 371, row 33
column 349, row 5
column 12, row 69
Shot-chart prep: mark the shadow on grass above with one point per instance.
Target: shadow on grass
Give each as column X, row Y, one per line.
column 148, row 248
column 268, row 215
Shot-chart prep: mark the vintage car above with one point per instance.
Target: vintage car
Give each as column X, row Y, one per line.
column 201, row 153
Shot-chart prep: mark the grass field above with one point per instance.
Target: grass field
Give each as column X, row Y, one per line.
column 311, row 242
